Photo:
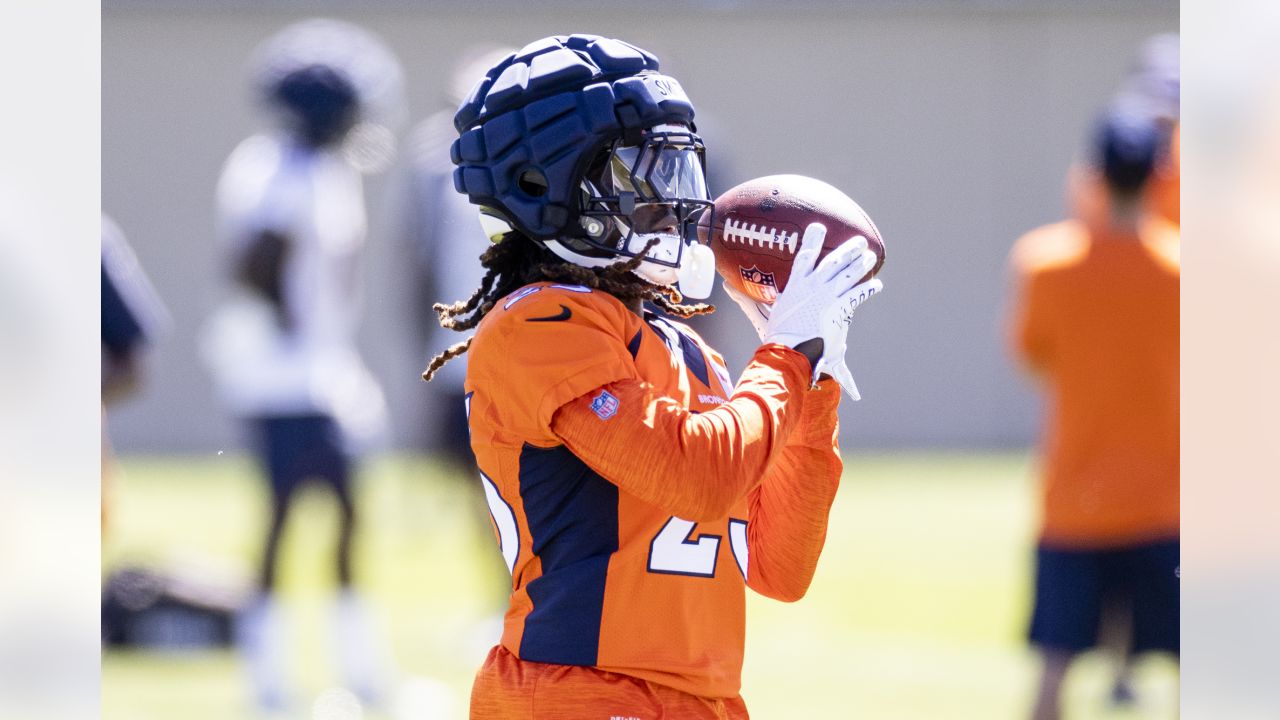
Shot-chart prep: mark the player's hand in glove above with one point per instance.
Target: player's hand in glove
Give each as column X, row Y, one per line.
column 818, row 302
column 833, row 348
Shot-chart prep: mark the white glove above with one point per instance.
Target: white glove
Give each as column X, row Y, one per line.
column 817, row 302
column 832, row 361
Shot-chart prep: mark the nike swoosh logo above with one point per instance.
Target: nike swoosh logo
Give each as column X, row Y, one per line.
column 565, row 314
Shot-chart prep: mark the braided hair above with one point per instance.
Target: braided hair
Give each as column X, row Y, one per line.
column 515, row 261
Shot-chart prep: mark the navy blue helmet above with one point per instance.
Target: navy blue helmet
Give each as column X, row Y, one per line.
column 580, row 143
column 323, row 76
column 1126, row 145
column 320, row 100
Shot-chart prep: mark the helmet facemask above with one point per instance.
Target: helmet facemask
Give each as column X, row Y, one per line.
column 636, row 193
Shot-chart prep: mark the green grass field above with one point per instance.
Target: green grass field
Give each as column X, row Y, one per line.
column 917, row 610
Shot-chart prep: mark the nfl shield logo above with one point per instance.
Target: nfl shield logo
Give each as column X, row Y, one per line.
column 604, row 405
column 759, row 284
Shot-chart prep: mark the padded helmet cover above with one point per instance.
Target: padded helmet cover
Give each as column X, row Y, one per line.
column 542, row 114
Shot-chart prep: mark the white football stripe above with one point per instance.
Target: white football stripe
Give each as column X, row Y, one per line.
column 761, row 235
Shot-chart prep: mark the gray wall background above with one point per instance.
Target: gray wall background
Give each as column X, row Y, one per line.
column 951, row 123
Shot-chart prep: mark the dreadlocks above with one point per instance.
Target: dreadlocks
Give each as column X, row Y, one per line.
column 516, row 261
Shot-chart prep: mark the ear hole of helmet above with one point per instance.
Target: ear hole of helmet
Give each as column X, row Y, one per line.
column 532, row 182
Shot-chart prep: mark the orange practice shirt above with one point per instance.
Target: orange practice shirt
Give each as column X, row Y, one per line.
column 635, row 493
column 1097, row 317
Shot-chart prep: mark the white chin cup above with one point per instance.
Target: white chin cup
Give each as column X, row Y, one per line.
column 697, row 273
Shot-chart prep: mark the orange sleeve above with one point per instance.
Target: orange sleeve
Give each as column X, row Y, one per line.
column 788, row 523
column 693, row 465
column 546, row 345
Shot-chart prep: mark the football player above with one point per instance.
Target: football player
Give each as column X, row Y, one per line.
column 1152, row 89
column 1096, row 319
column 635, row 490
column 284, row 352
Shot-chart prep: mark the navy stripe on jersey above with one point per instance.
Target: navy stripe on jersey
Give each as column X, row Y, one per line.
column 633, row 347
column 689, row 350
column 573, row 518
column 693, row 358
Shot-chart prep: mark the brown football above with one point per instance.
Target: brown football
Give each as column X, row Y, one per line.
column 758, row 226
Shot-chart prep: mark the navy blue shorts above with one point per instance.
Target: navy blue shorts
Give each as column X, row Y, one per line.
column 295, row 449
column 1075, row 587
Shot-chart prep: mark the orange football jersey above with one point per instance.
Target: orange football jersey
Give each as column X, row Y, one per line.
column 635, row 493
column 1097, row 316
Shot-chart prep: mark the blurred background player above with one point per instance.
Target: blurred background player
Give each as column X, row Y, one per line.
column 1096, row 320
column 284, row 350
column 132, row 317
column 1152, row 87
column 632, row 502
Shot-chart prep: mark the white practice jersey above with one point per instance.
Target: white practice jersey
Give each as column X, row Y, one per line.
column 315, row 200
